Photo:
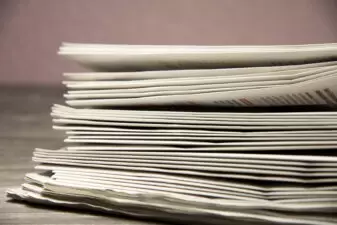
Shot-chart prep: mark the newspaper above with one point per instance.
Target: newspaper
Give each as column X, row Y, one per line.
column 195, row 165
column 317, row 91
column 143, row 75
column 200, row 75
column 138, row 201
column 253, row 158
column 192, row 117
column 121, row 58
column 265, row 79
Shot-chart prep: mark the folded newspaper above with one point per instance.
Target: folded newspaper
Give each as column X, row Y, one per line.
column 269, row 165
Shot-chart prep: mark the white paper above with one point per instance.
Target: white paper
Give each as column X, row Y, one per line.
column 170, row 57
column 320, row 91
column 191, row 73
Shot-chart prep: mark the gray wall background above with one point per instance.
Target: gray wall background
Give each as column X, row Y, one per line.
column 32, row 30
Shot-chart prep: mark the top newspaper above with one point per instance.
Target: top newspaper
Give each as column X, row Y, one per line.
column 202, row 75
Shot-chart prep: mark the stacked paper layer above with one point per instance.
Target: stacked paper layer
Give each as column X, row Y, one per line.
column 197, row 165
column 202, row 75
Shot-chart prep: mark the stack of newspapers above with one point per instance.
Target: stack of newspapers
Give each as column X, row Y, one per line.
column 205, row 134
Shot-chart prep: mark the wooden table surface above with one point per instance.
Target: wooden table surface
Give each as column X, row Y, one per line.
column 25, row 124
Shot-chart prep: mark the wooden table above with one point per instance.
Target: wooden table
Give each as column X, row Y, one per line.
column 25, row 124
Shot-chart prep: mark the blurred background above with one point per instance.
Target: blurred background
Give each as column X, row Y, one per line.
column 32, row 30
